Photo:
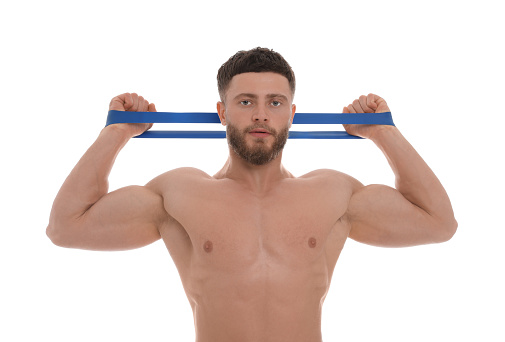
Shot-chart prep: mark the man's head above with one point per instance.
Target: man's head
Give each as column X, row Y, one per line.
column 254, row 60
column 256, row 89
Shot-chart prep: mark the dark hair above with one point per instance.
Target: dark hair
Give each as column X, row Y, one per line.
column 254, row 60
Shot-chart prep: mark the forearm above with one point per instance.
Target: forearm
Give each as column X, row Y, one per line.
column 88, row 181
column 414, row 178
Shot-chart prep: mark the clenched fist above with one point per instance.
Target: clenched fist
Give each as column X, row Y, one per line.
column 366, row 104
column 132, row 103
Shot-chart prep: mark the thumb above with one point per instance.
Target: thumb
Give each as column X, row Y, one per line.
column 121, row 102
column 151, row 108
column 381, row 105
column 371, row 100
column 116, row 104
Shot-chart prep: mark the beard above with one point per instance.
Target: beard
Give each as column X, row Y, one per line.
column 259, row 154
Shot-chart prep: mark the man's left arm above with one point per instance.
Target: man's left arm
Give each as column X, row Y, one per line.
column 418, row 211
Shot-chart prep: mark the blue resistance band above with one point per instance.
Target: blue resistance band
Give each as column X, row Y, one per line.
column 116, row 116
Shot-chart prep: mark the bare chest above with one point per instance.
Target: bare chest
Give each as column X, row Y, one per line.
column 231, row 230
column 256, row 262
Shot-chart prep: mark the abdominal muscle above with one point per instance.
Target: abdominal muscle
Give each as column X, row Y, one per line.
column 261, row 269
column 262, row 298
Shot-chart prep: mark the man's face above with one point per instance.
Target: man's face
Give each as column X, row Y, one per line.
column 258, row 114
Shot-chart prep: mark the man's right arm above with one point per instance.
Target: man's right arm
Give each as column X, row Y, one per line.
column 86, row 216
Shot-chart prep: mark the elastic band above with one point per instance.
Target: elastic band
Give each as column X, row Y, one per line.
column 300, row 118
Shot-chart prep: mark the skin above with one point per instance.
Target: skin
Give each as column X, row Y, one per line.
column 255, row 247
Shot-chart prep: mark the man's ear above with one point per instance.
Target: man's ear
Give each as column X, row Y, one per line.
column 293, row 110
column 221, row 109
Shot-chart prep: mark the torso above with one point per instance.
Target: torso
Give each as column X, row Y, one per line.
column 256, row 268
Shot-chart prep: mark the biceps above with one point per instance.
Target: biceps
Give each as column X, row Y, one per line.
column 124, row 219
column 381, row 216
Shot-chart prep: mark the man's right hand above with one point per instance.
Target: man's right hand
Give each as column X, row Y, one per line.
column 132, row 103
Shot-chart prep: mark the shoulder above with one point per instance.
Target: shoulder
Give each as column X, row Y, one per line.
column 332, row 184
column 329, row 177
column 180, row 178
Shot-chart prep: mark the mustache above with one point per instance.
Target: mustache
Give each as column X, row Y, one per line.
column 258, row 126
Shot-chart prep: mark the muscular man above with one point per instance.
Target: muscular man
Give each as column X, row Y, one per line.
column 255, row 247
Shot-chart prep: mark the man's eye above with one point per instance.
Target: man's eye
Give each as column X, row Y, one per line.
column 245, row 102
column 276, row 103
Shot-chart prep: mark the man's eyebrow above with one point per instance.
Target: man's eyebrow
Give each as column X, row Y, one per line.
column 277, row 95
column 254, row 96
column 245, row 95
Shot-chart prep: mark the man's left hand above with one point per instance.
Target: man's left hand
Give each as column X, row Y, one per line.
column 366, row 104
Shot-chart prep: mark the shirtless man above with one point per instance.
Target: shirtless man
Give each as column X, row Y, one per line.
column 255, row 247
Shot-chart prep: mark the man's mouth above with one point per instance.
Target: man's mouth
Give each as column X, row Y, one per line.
column 260, row 133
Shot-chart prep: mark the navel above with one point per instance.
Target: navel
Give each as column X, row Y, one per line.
column 312, row 242
column 207, row 246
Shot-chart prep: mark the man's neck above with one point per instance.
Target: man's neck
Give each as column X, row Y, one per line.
column 257, row 178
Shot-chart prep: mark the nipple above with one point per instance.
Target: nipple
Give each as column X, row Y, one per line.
column 312, row 242
column 207, row 246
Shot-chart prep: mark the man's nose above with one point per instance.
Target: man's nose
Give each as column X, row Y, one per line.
column 260, row 115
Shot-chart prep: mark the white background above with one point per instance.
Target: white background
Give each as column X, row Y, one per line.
column 437, row 63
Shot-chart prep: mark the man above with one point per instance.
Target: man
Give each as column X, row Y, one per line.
column 255, row 247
